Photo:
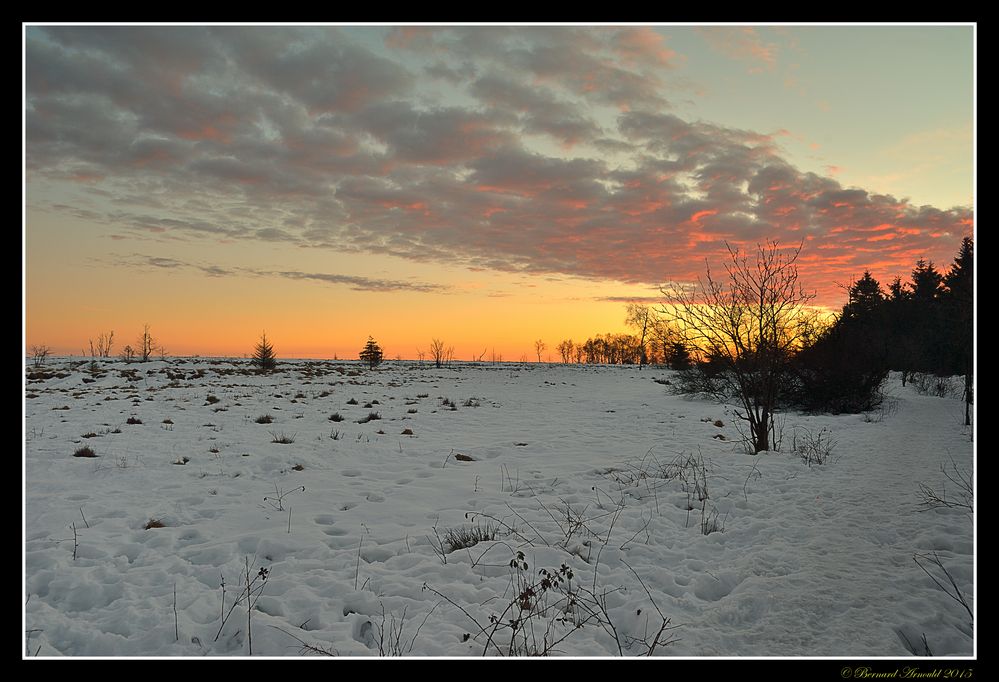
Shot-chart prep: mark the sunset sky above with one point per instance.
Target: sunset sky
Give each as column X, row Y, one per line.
column 486, row 185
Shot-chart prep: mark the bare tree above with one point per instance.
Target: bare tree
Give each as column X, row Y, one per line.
column 438, row 352
column 565, row 349
column 39, row 353
column 147, row 344
column 105, row 344
column 747, row 327
column 127, row 353
column 539, row 346
column 640, row 317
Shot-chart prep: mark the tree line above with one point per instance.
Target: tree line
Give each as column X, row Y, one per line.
column 925, row 325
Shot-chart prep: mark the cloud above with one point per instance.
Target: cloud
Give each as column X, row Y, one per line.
column 542, row 109
column 554, row 153
column 353, row 282
column 643, row 46
column 357, row 283
column 741, row 43
column 322, row 69
column 643, row 300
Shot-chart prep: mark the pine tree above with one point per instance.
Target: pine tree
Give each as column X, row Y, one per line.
column 960, row 280
column 926, row 281
column 263, row 355
column 958, row 299
column 371, row 353
column 865, row 297
column 896, row 290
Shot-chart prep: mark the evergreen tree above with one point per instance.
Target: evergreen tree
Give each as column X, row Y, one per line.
column 371, row 353
column 678, row 355
column 926, row 281
column 959, row 306
column 959, row 281
column 263, row 355
column 866, row 297
column 896, row 290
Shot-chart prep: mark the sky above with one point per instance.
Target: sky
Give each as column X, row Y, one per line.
column 484, row 185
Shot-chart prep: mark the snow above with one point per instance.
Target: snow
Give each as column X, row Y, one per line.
column 569, row 465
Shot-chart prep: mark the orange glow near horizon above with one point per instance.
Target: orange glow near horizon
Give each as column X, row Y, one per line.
column 82, row 288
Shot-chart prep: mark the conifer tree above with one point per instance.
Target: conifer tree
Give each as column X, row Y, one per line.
column 371, row 353
column 263, row 355
column 959, row 304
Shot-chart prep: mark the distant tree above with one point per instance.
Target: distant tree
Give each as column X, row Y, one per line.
column 565, row 349
column 147, row 345
column 678, row 356
column 640, row 317
column 539, row 346
column 105, row 343
column 39, row 353
column 371, row 353
column 438, row 351
column 263, row 355
column 127, row 353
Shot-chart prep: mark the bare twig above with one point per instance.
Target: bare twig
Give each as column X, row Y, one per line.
column 957, row 595
column 176, row 625
column 307, row 648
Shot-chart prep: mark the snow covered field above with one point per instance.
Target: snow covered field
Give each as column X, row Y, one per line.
column 644, row 497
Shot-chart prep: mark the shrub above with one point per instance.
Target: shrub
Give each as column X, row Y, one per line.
column 133, row 420
column 264, row 419
column 930, row 384
column 38, row 354
column 812, row 448
column 336, row 417
column 283, row 439
column 371, row 416
column 154, row 523
column 468, row 536
column 85, row 451
column 352, row 401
